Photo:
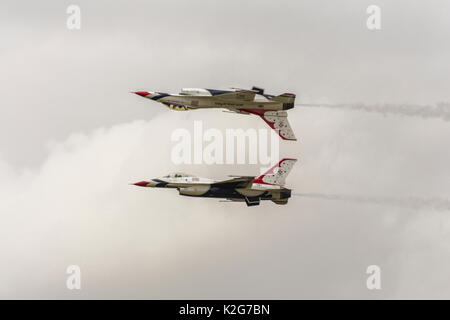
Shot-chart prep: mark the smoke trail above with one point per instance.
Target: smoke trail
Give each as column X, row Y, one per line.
column 440, row 110
column 438, row 204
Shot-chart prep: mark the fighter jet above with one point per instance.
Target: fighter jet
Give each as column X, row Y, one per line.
column 269, row 107
column 250, row 189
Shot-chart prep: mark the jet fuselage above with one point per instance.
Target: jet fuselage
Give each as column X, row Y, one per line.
column 269, row 107
column 250, row 189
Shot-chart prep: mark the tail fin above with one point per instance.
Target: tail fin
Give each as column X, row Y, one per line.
column 288, row 100
column 277, row 174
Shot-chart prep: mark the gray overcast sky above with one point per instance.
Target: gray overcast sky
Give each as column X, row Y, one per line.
column 72, row 137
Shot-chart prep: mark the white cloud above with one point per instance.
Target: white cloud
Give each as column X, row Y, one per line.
column 78, row 208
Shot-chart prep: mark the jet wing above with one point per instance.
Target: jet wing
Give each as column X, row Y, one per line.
column 277, row 120
column 239, row 182
column 241, row 95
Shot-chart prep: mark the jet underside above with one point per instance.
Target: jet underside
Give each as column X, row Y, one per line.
column 272, row 109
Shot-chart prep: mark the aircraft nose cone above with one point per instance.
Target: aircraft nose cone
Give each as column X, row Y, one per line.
column 141, row 183
column 142, row 93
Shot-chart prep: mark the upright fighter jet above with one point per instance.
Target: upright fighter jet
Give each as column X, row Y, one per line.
column 250, row 189
column 269, row 107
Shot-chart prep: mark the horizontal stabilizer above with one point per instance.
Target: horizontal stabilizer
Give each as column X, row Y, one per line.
column 280, row 201
column 285, row 97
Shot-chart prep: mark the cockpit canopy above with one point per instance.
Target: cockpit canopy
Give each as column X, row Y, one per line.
column 178, row 175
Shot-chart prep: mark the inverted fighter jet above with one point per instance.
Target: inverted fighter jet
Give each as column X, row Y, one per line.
column 269, row 107
column 250, row 189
